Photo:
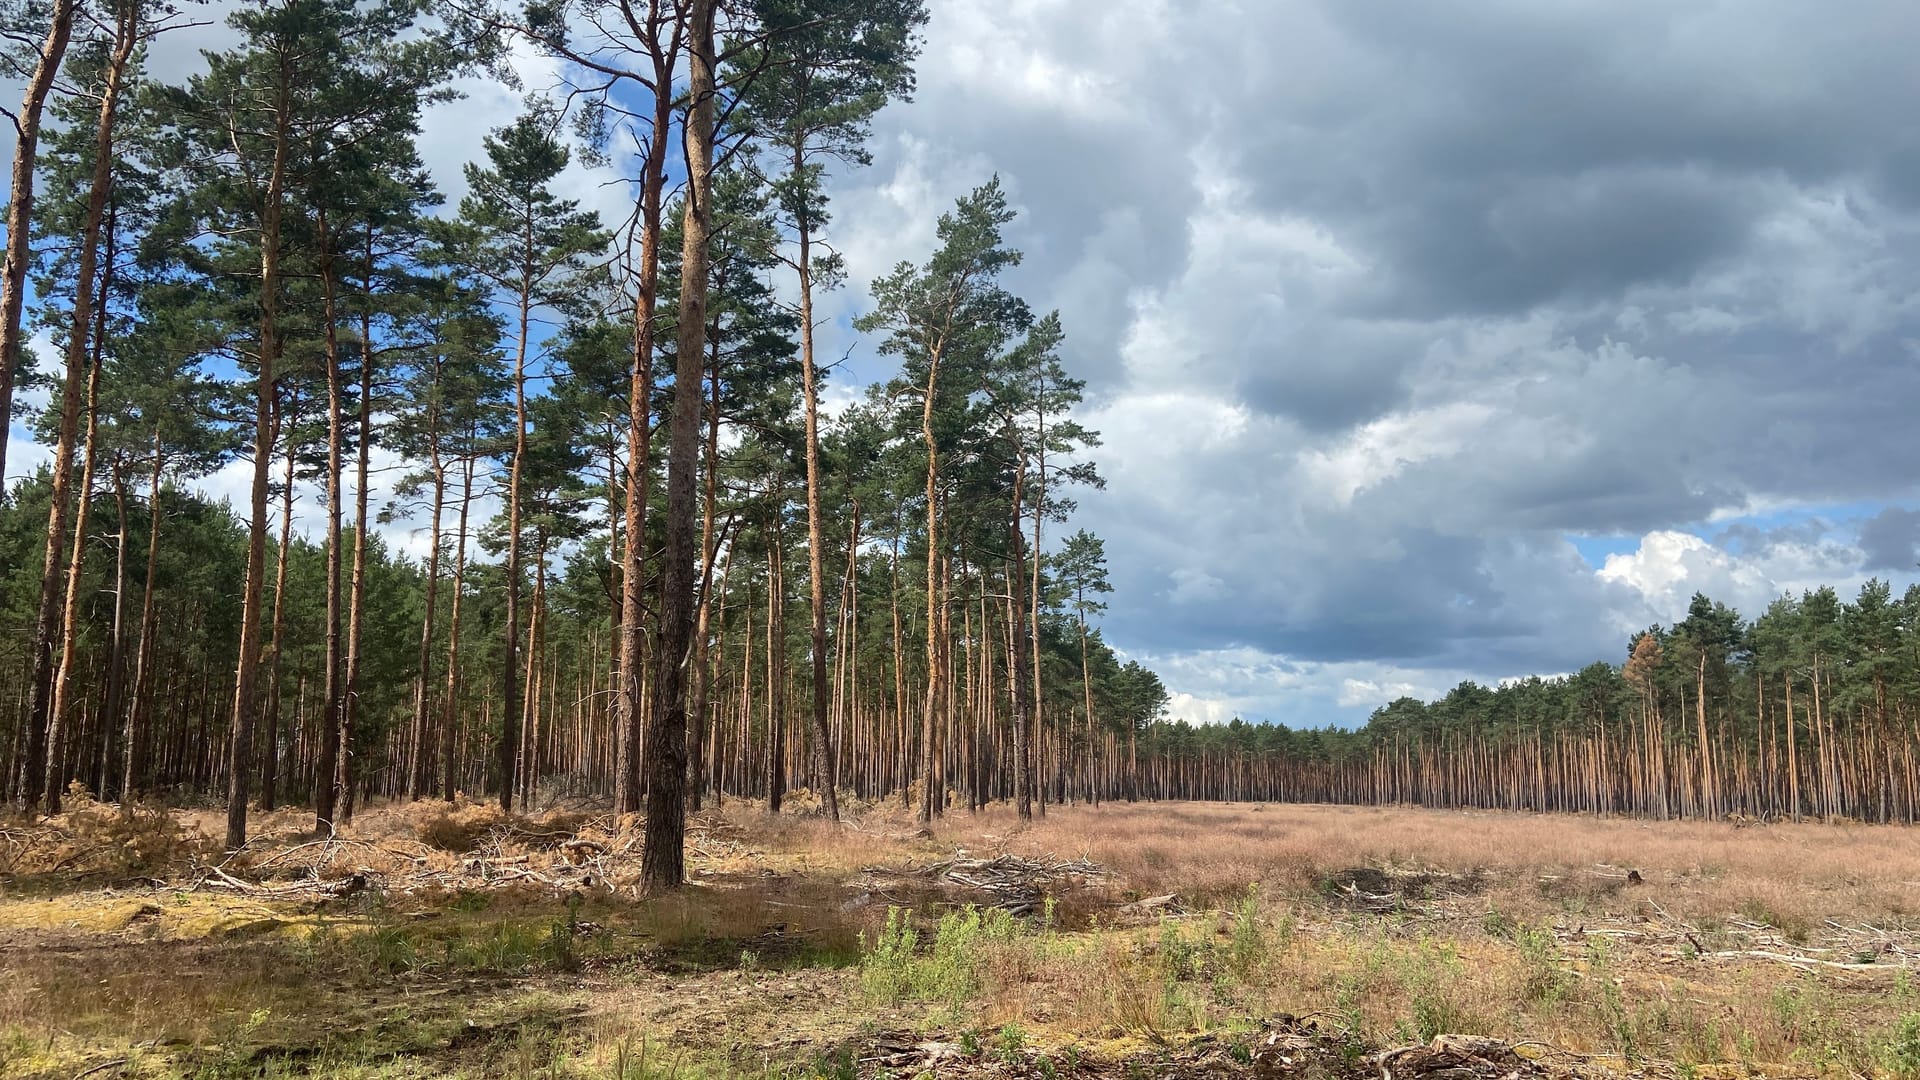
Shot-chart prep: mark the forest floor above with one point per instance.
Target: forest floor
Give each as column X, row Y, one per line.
column 1151, row 940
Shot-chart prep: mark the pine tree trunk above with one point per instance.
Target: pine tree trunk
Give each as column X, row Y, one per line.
column 1033, row 594
column 276, row 645
column 1025, row 712
column 509, row 744
column 19, row 259
column 356, row 606
column 248, row 665
column 929, row 716
column 776, row 671
column 60, row 717
column 417, row 771
column 450, row 708
column 326, row 782
column 816, row 541
column 663, row 863
column 137, row 711
column 630, row 703
column 113, row 703
column 530, row 707
column 44, row 768
column 699, row 704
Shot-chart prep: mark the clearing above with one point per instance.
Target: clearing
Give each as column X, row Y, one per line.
column 1145, row 940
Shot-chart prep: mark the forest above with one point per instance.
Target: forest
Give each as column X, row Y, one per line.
column 653, row 564
column 723, row 589
column 1809, row 710
column 448, row 630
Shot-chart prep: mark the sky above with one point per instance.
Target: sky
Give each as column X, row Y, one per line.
column 1427, row 341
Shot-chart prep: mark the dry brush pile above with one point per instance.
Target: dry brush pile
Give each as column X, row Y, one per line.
column 1283, row 1046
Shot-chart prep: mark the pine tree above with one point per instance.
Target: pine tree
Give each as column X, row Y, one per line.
column 264, row 128
column 663, row 862
column 816, row 81
column 454, row 341
column 530, row 246
column 58, row 594
column 946, row 321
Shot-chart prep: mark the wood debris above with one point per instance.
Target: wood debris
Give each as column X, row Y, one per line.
column 1387, row 889
column 1284, row 1046
column 600, row 855
column 1015, row 883
column 1155, row 907
column 1864, row 949
column 1457, row 1057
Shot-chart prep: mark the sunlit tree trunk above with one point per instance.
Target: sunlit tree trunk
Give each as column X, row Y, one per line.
column 248, row 666
column 356, row 605
column 19, row 259
column 630, row 702
column 663, row 863
column 327, row 782
column 816, row 539
column 47, row 695
column 61, row 718
column 418, row 772
column 450, row 707
column 276, row 645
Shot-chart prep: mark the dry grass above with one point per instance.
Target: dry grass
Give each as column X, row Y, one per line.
column 1547, row 939
column 1695, row 870
column 1530, row 932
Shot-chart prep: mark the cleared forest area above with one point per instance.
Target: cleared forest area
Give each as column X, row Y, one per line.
column 1151, row 939
column 546, row 540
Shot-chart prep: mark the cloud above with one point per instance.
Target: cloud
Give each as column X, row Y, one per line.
column 1891, row 539
column 1381, row 311
column 1669, row 567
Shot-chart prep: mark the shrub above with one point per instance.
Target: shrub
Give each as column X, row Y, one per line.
column 886, row 969
column 1248, row 945
column 964, row 944
column 1900, row 1052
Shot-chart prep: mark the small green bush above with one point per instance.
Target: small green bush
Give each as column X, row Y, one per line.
column 1900, row 1052
column 892, row 968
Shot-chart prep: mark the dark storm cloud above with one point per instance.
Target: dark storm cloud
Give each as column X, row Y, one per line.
column 1327, row 374
column 1467, row 279
column 1499, row 156
column 1478, row 250
column 1891, row 539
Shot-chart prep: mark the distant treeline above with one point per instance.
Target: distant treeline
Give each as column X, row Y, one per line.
column 1810, row 710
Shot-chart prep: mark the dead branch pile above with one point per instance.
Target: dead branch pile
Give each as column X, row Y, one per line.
column 1015, row 883
column 426, row 847
column 1863, row 949
column 93, row 838
column 1284, row 1047
column 1457, row 1057
column 1601, row 882
column 562, row 855
column 1385, row 889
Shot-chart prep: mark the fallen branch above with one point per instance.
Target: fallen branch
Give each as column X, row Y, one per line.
column 1805, row 963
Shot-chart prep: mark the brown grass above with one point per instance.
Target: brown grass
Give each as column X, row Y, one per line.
column 1694, row 870
column 1549, row 940
column 1533, row 933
